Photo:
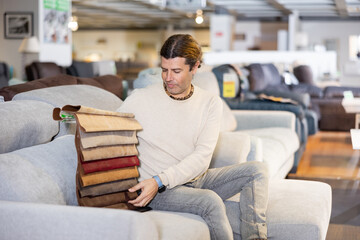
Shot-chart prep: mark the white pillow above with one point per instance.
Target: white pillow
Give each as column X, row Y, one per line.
column 232, row 148
column 228, row 121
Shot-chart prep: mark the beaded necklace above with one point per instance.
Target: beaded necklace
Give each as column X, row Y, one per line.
column 180, row 98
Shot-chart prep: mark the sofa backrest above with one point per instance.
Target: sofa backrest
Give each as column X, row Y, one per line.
column 263, row 76
column 110, row 83
column 25, row 123
column 37, row 70
column 60, row 96
column 4, row 74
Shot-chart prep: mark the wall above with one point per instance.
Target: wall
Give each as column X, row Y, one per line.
column 9, row 47
column 135, row 45
column 340, row 31
column 59, row 53
column 251, row 30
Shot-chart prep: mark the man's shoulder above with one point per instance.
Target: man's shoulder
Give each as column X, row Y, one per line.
column 206, row 94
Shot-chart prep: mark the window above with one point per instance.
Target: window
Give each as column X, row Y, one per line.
column 354, row 47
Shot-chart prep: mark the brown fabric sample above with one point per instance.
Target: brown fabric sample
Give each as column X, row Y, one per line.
column 96, row 139
column 108, row 152
column 107, row 199
column 107, row 176
column 100, row 123
column 105, row 188
column 109, row 164
column 124, row 206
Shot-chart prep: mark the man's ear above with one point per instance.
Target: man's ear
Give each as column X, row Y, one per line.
column 195, row 67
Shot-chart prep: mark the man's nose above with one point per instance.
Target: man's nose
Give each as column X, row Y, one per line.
column 168, row 76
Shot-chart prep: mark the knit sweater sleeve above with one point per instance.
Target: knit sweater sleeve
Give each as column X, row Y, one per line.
column 198, row 161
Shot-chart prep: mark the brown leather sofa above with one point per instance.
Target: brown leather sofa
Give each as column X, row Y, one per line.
column 4, row 74
column 326, row 102
column 110, row 83
column 37, row 70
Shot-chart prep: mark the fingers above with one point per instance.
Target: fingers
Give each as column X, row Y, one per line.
column 135, row 188
column 148, row 191
column 140, row 201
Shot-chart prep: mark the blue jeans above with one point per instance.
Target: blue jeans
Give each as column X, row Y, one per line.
column 205, row 196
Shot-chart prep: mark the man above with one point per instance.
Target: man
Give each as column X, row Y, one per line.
column 181, row 124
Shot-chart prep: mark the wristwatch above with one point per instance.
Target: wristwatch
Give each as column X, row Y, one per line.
column 161, row 186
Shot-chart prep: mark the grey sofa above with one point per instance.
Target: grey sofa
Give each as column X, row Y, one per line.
column 37, row 178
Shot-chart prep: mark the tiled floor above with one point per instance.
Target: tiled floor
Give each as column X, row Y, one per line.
column 329, row 158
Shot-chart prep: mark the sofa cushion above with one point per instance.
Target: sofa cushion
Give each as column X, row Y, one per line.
column 226, row 154
column 44, row 173
column 24, row 124
column 263, row 76
column 228, row 120
column 278, row 144
column 297, row 210
column 174, row 225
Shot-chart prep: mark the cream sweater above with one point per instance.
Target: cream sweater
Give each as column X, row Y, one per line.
column 178, row 137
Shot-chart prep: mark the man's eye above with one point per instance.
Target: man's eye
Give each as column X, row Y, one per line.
column 177, row 71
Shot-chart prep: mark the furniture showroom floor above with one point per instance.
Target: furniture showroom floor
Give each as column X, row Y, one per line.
column 329, row 158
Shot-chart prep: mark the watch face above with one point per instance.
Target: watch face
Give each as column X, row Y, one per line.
column 161, row 189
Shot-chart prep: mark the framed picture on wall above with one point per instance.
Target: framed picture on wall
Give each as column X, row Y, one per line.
column 18, row 25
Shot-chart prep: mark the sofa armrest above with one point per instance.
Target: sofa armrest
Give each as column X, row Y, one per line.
column 20, row 220
column 236, row 104
column 263, row 119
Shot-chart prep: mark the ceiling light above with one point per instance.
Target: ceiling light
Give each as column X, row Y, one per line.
column 199, row 19
column 73, row 24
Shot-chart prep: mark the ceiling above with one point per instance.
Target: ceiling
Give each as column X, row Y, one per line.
column 159, row 14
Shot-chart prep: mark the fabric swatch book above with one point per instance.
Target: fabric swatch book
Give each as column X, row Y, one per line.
column 105, row 142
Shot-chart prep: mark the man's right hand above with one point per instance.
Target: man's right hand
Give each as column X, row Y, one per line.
column 149, row 189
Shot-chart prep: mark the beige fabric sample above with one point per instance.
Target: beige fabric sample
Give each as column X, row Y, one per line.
column 90, row 110
column 108, row 152
column 96, row 139
column 100, row 123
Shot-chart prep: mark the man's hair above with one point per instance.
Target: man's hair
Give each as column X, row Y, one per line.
column 182, row 45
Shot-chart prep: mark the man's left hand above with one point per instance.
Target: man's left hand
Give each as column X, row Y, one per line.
column 149, row 189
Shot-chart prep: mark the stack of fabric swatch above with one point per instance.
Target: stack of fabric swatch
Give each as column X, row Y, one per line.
column 107, row 156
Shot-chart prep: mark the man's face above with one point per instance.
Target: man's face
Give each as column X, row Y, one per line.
column 177, row 75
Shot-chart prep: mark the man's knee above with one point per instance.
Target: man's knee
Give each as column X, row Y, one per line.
column 259, row 169
column 212, row 202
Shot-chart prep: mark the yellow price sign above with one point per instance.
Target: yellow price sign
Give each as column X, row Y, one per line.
column 229, row 85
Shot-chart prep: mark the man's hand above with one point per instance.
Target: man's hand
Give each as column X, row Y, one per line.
column 149, row 188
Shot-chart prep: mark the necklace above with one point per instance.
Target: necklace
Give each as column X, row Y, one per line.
column 180, row 98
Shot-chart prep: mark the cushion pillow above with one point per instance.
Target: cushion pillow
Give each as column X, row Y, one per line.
column 232, row 148
column 44, row 173
column 25, row 123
